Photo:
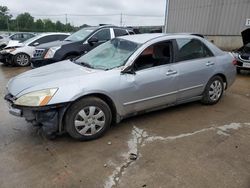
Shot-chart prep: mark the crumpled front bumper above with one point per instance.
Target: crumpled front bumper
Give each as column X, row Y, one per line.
column 6, row 58
column 50, row 118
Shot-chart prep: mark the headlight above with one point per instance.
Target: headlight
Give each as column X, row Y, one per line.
column 51, row 52
column 37, row 98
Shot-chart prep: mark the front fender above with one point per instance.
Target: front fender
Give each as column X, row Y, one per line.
column 28, row 51
column 97, row 92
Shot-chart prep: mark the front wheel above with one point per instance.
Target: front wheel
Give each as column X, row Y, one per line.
column 213, row 91
column 22, row 60
column 238, row 71
column 88, row 119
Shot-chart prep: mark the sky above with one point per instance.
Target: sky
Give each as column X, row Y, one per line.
column 134, row 12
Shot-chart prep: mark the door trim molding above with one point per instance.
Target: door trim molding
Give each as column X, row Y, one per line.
column 149, row 98
column 162, row 95
column 189, row 88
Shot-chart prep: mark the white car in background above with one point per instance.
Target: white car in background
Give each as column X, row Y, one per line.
column 20, row 36
column 16, row 53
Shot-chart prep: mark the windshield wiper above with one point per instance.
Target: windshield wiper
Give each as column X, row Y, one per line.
column 84, row 64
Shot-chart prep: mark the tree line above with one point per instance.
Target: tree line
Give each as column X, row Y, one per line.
column 25, row 22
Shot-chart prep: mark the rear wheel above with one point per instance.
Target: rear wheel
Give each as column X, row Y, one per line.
column 22, row 60
column 213, row 91
column 88, row 119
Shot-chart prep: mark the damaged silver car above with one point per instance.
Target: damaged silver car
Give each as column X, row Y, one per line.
column 123, row 77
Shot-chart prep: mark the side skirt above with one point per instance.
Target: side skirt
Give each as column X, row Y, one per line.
column 161, row 107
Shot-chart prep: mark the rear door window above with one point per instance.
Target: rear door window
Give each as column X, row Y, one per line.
column 44, row 39
column 189, row 49
column 120, row 32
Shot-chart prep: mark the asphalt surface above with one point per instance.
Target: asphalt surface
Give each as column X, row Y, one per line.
column 191, row 145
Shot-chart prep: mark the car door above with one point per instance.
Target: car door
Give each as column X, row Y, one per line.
column 149, row 86
column 195, row 66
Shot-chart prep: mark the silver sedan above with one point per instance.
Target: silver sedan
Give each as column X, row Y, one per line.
column 121, row 78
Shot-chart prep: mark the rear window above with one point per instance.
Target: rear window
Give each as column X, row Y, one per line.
column 189, row 49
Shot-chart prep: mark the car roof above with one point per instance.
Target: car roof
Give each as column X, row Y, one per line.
column 47, row 34
column 104, row 26
column 23, row 33
column 143, row 38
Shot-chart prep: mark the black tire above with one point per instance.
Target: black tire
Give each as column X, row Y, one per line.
column 209, row 98
column 22, row 60
column 238, row 71
column 85, row 104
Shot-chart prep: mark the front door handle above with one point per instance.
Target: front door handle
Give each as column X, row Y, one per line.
column 209, row 63
column 171, row 72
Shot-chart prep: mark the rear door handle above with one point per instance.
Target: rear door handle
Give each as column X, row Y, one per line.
column 171, row 72
column 209, row 63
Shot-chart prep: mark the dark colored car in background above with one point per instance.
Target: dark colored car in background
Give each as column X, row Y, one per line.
column 243, row 58
column 243, row 54
column 76, row 44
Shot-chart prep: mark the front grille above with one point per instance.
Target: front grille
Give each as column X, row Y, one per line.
column 39, row 53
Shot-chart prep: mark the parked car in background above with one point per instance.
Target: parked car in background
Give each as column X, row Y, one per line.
column 123, row 77
column 243, row 54
column 76, row 44
column 21, row 37
column 19, row 54
column 243, row 58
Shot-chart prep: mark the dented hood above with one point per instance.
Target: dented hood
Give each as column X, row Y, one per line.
column 14, row 43
column 53, row 74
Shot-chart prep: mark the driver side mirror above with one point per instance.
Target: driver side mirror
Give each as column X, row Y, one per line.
column 93, row 40
column 128, row 70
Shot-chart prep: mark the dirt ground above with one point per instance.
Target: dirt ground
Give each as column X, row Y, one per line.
column 191, row 145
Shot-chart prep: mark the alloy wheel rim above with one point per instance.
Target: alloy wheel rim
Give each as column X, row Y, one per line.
column 89, row 121
column 22, row 59
column 215, row 90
